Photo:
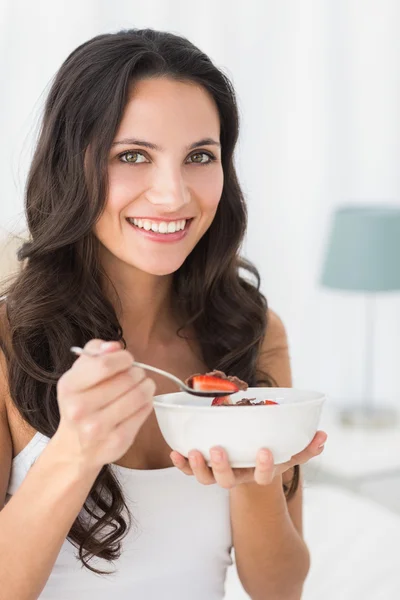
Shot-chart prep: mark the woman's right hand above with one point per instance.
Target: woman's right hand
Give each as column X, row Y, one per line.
column 103, row 403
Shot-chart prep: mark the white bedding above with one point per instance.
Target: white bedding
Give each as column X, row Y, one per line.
column 354, row 544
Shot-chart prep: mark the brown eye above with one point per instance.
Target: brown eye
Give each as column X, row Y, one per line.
column 199, row 157
column 132, row 157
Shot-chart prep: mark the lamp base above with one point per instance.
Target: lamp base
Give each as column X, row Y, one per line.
column 365, row 417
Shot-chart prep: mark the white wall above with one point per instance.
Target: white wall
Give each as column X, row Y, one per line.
column 318, row 88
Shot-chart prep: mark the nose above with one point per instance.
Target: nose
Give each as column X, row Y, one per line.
column 168, row 189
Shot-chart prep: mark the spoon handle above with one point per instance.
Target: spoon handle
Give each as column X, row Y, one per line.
column 161, row 372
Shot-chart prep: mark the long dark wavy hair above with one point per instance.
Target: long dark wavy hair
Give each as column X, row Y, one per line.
column 57, row 300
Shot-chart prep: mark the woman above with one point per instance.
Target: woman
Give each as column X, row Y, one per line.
column 135, row 218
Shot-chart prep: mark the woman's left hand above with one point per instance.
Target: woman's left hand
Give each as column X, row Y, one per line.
column 221, row 472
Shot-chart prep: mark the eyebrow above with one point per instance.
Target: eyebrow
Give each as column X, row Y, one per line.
column 136, row 142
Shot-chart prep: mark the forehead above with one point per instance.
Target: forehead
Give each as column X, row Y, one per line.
column 168, row 109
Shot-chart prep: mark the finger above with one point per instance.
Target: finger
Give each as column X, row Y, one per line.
column 265, row 467
column 315, row 447
column 125, row 432
column 89, row 371
column 101, row 346
column 99, row 424
column 320, row 438
column 181, row 463
column 221, row 468
column 107, row 392
column 200, row 470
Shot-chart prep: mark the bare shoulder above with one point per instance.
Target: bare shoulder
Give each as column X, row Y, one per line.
column 4, row 391
column 276, row 331
column 4, row 347
column 6, row 403
column 4, row 344
column 13, row 427
column 5, row 434
column 274, row 352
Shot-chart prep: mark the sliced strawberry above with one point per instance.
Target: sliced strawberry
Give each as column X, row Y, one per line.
column 206, row 383
column 226, row 401
column 222, row 400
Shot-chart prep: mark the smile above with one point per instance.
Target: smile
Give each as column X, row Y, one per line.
column 161, row 231
column 159, row 226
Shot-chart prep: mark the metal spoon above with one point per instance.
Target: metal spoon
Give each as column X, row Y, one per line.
column 179, row 382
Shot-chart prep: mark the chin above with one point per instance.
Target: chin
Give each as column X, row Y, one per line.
column 159, row 268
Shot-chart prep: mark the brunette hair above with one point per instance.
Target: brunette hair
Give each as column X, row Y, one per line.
column 57, row 299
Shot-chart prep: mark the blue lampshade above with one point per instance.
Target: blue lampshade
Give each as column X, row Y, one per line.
column 364, row 249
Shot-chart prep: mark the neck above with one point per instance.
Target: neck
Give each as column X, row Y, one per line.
column 143, row 303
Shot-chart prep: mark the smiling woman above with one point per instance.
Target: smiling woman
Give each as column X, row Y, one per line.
column 136, row 219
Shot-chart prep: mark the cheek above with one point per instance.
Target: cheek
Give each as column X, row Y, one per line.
column 121, row 191
column 123, row 186
column 209, row 188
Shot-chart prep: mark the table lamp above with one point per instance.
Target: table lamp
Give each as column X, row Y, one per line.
column 363, row 256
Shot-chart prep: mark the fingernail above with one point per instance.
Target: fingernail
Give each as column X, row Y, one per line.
column 264, row 458
column 193, row 459
column 107, row 346
column 216, row 456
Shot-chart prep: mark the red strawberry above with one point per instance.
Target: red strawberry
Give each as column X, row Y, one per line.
column 270, row 402
column 221, row 400
column 205, row 383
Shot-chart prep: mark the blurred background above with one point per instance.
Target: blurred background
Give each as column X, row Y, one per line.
column 318, row 85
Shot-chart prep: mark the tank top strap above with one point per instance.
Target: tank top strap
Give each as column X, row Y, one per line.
column 25, row 459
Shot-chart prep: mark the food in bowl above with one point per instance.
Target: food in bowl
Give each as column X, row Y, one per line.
column 218, row 380
column 226, row 401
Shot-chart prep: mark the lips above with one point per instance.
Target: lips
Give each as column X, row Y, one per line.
column 161, row 237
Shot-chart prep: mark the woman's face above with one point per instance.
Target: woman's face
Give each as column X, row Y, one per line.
column 165, row 177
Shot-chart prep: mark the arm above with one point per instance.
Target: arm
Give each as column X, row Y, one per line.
column 30, row 540
column 271, row 556
column 32, row 532
column 101, row 410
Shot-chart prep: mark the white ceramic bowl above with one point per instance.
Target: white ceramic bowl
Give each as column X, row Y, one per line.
column 191, row 423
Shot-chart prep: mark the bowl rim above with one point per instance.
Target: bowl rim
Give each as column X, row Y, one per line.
column 319, row 400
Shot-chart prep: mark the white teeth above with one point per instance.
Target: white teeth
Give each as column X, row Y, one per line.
column 159, row 227
column 171, row 227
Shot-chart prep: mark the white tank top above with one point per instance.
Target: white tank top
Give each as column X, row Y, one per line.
column 178, row 547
